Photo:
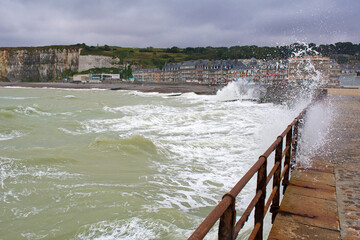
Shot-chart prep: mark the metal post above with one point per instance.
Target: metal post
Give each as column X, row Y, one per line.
column 260, row 206
column 276, row 181
column 287, row 159
column 227, row 221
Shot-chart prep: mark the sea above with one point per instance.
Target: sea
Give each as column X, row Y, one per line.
column 101, row 164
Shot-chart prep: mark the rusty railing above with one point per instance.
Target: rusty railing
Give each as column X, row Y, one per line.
column 225, row 210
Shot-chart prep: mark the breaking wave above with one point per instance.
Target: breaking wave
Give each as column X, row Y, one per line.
column 11, row 135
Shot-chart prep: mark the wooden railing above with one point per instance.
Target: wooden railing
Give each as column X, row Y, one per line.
column 225, row 210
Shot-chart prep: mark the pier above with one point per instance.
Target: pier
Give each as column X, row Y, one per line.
column 322, row 199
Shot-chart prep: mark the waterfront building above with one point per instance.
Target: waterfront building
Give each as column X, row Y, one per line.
column 304, row 69
column 95, row 78
column 147, row 75
column 170, row 72
column 294, row 70
column 274, row 72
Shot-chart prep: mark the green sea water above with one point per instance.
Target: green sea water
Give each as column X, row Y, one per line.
column 95, row 164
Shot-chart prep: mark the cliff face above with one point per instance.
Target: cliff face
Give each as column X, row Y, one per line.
column 37, row 64
column 94, row 61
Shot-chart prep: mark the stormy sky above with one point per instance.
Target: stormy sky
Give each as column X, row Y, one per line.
column 181, row 23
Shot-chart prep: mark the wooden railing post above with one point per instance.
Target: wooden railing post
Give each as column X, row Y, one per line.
column 289, row 137
column 276, row 181
column 227, row 221
column 260, row 206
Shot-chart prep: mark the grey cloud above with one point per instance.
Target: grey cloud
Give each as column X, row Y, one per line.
column 160, row 23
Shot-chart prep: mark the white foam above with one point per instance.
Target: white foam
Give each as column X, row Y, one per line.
column 16, row 98
column 130, row 229
column 13, row 171
column 70, row 96
column 13, row 134
column 239, row 90
column 204, row 146
column 31, row 111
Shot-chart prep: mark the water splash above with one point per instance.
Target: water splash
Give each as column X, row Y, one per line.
column 313, row 134
column 240, row 89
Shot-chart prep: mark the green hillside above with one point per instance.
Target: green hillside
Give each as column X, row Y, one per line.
column 157, row 57
column 150, row 57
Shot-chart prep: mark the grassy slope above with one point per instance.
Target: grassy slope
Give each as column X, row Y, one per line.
column 146, row 57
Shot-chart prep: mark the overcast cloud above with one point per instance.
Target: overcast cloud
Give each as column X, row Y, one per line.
column 183, row 23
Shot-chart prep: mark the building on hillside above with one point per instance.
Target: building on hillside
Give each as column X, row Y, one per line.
column 304, row 69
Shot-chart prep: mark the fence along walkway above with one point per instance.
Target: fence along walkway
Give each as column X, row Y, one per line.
column 225, row 210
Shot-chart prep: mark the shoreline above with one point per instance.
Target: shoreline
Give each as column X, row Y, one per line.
column 141, row 86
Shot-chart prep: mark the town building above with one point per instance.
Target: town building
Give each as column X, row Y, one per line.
column 294, row 70
column 274, row 72
column 202, row 71
column 147, row 75
column 305, row 69
column 95, row 78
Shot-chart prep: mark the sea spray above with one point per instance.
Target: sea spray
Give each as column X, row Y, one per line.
column 240, row 89
column 315, row 126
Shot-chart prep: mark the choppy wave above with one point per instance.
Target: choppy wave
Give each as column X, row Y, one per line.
column 134, row 144
column 70, row 97
column 6, row 114
column 131, row 229
column 16, row 98
column 11, row 135
column 153, row 165
column 32, row 111
column 29, row 111
column 16, row 171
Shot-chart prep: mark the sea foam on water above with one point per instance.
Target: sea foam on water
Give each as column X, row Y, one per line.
column 79, row 174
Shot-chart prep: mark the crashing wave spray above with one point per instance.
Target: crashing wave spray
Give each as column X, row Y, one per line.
column 304, row 70
column 313, row 134
column 240, row 89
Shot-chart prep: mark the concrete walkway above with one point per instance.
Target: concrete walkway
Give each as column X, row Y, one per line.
column 323, row 200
